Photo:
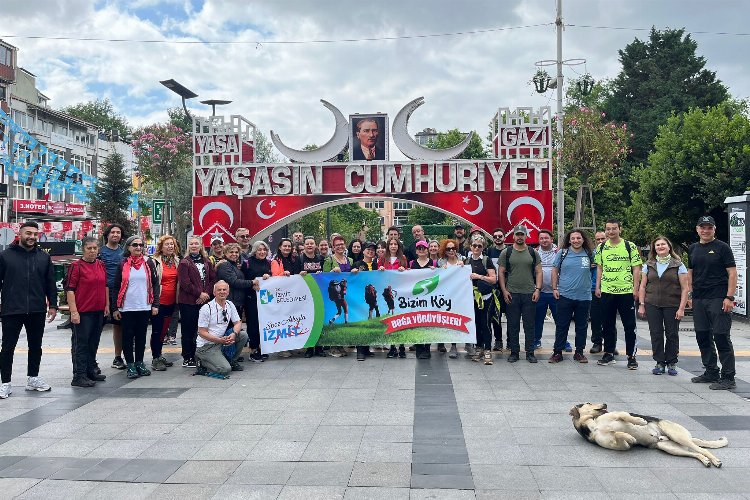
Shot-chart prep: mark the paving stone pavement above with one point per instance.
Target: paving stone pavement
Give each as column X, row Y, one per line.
column 379, row 429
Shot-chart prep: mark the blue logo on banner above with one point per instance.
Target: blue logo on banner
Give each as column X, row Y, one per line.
column 265, row 297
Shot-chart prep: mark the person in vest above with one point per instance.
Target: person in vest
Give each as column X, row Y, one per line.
column 520, row 290
column 27, row 279
column 663, row 294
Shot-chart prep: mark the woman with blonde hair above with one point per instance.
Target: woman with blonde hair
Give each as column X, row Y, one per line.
column 167, row 258
column 196, row 277
column 663, row 295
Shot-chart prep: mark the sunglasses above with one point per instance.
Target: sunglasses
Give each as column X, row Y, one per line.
column 477, row 246
column 421, row 248
column 224, row 315
column 497, row 236
column 136, row 244
column 448, row 249
column 243, row 236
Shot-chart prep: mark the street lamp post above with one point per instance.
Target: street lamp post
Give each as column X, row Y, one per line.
column 215, row 102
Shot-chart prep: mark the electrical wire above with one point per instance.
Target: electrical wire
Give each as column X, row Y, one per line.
column 622, row 28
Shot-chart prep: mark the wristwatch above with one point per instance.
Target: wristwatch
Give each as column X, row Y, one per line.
column 730, row 297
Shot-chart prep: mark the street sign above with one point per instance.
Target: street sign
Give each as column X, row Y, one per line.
column 157, row 210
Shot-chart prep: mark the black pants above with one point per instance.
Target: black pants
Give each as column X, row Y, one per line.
column 494, row 317
column 159, row 328
column 85, row 342
column 520, row 306
column 595, row 315
column 189, row 329
column 624, row 305
column 663, row 326
column 484, row 335
column 12, row 324
column 134, row 327
column 567, row 311
column 253, row 326
column 712, row 327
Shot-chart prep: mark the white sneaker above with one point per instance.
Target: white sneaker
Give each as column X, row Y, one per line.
column 5, row 390
column 37, row 384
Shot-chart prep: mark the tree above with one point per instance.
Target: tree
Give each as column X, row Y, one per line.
column 699, row 158
column 660, row 76
column 422, row 215
column 475, row 149
column 164, row 156
column 111, row 197
column 101, row 113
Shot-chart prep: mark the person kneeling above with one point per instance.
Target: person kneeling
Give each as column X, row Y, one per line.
column 220, row 340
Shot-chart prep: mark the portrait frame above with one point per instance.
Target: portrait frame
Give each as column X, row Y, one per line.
column 382, row 152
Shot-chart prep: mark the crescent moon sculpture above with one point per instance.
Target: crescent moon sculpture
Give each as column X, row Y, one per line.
column 525, row 200
column 216, row 205
column 329, row 150
column 414, row 151
column 259, row 211
column 479, row 207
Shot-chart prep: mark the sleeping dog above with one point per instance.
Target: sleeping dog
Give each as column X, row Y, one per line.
column 620, row 430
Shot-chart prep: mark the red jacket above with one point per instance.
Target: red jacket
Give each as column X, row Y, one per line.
column 191, row 284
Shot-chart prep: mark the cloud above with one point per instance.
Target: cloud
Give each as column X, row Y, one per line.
column 464, row 79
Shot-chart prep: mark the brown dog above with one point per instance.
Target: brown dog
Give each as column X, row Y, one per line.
column 621, row 430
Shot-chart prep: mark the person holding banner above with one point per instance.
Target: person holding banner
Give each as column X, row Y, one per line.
column 368, row 263
column 229, row 270
column 483, row 278
column 196, row 277
column 220, row 339
column 380, row 251
column 312, row 261
column 285, row 263
column 257, row 266
column 338, row 261
column 450, row 256
column 422, row 261
column 324, row 249
column 395, row 260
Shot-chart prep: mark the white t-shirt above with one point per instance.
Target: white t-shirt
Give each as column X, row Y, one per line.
column 136, row 296
column 211, row 316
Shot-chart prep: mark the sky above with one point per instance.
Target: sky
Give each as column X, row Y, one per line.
column 277, row 84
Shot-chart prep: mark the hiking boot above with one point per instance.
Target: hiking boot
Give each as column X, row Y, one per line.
column 723, row 384
column 513, row 357
column 131, row 371
column 392, row 352
column 319, row 351
column 568, row 347
column 401, row 352
column 441, row 348
column 424, row 355
column 555, row 358
column 37, row 384
column 632, row 363
column 173, row 340
column 615, row 353
column 169, row 363
column 478, row 355
column 471, row 351
column 367, row 352
column 498, row 346
column 579, row 356
column 595, row 349
column 310, row 352
column 96, row 377
column 236, row 367
column 530, row 357
column 360, row 355
column 255, row 357
column 5, row 390
column 487, row 357
column 265, row 356
column 672, row 370
column 82, row 381
column 158, row 366
column 705, row 378
column 453, row 354
column 412, row 347
column 607, row 359
column 140, row 366
column 659, row 369
column 118, row 363
column 97, row 370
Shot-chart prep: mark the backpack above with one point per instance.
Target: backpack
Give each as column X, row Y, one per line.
column 564, row 253
column 370, row 292
column 333, row 293
column 627, row 247
column 533, row 261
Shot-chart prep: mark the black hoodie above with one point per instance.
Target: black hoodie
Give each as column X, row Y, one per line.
column 27, row 278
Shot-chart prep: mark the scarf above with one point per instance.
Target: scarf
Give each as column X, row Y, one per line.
column 136, row 264
column 663, row 260
column 197, row 258
column 168, row 260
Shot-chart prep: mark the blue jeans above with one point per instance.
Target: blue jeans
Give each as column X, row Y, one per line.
column 545, row 300
column 567, row 310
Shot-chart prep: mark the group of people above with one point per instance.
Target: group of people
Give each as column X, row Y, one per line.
column 580, row 282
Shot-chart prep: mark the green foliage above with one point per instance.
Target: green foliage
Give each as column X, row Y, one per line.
column 422, row 215
column 660, row 76
column 101, row 113
column 111, row 197
column 264, row 152
column 476, row 148
column 595, row 99
column 178, row 118
column 346, row 220
column 699, row 158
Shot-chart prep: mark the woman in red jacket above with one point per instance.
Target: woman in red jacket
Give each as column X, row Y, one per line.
column 196, row 277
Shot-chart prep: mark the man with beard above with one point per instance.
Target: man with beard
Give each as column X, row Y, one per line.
column 27, row 280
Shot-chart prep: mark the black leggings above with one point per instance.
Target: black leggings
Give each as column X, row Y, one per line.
column 189, row 331
column 134, row 327
column 159, row 327
column 12, row 324
column 85, row 341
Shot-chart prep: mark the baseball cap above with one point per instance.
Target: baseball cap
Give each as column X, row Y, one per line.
column 370, row 244
column 706, row 219
column 521, row 229
column 458, row 224
column 217, row 238
column 475, row 229
column 421, row 243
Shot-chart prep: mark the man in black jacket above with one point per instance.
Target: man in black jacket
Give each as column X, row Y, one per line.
column 27, row 279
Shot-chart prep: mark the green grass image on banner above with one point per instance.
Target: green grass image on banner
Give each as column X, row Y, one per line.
column 372, row 332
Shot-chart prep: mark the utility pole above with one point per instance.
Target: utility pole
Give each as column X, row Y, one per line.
column 559, row 123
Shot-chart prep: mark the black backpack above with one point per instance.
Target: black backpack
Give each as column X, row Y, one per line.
column 333, row 294
column 533, row 260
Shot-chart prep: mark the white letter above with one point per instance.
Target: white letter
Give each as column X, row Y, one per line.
column 349, row 173
column 204, row 178
column 516, row 176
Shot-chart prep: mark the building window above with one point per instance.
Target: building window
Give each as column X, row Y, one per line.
column 6, row 56
column 402, row 205
column 400, row 220
column 374, row 205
